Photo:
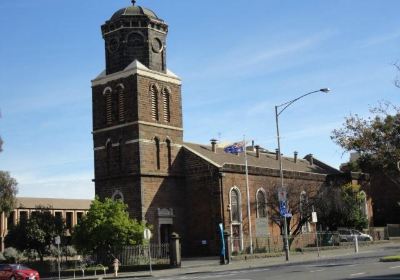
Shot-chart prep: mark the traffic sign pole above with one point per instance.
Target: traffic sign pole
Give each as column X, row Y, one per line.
column 147, row 236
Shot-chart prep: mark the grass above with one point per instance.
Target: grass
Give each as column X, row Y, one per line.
column 390, row 259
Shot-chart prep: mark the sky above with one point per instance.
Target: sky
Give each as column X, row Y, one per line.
column 237, row 59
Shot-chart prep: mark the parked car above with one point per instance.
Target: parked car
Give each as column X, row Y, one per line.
column 347, row 235
column 17, row 272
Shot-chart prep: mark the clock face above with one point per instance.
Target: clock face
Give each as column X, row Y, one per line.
column 113, row 44
column 156, row 45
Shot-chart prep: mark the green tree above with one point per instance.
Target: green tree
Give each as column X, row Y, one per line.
column 376, row 139
column 343, row 208
column 107, row 226
column 37, row 233
column 8, row 191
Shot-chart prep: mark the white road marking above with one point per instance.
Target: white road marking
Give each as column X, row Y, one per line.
column 318, row 270
column 393, row 267
column 357, row 274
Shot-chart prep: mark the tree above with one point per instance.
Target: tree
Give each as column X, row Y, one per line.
column 343, row 208
column 8, row 191
column 107, row 226
column 37, row 233
column 376, row 139
column 301, row 200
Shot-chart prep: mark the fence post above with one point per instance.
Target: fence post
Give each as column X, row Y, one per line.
column 175, row 250
column 227, row 246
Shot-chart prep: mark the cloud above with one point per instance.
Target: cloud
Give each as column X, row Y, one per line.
column 380, row 39
column 246, row 59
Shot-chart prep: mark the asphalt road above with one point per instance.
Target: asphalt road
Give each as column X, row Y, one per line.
column 365, row 265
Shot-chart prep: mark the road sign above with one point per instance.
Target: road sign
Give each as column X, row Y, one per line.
column 147, row 234
column 314, row 218
column 57, row 240
column 282, row 194
column 282, row 208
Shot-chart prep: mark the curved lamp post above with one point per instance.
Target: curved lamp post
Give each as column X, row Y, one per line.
column 279, row 111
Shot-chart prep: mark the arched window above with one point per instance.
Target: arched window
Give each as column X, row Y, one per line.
column 166, row 105
column 108, row 155
column 158, row 164
column 108, row 104
column 154, row 102
column 121, row 102
column 169, row 153
column 235, row 205
column 303, row 207
column 261, row 204
column 117, row 195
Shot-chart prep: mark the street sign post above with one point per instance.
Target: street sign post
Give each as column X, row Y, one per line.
column 57, row 241
column 147, row 236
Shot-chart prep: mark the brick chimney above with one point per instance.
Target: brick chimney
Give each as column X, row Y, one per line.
column 311, row 159
column 295, row 156
column 214, row 145
column 257, row 150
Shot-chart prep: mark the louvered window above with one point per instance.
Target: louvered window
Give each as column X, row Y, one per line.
column 158, row 163
column 166, row 103
column 154, row 103
column 169, row 153
column 121, row 103
column 108, row 103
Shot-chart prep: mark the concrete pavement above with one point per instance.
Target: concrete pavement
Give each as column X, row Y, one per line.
column 204, row 265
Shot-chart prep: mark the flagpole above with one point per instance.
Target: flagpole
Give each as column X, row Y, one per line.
column 248, row 195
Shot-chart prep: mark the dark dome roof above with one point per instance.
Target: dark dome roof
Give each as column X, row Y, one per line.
column 134, row 11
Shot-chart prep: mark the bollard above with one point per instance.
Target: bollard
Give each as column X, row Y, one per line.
column 175, row 250
column 227, row 246
column 355, row 243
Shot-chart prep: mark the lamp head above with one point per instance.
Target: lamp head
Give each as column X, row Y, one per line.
column 325, row 90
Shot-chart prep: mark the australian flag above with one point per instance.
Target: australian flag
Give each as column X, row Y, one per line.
column 235, row 148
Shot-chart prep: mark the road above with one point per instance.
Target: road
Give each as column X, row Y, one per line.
column 365, row 265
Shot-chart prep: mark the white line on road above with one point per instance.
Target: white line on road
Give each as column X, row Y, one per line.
column 393, row 267
column 357, row 274
column 318, row 270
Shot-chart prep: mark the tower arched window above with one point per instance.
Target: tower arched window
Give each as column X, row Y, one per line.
column 107, row 93
column 166, row 105
column 158, row 163
column 121, row 102
column 108, row 155
column 261, row 204
column 235, row 206
column 169, row 153
column 154, row 102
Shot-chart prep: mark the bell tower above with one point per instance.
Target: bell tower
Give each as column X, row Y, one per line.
column 135, row 33
column 137, row 120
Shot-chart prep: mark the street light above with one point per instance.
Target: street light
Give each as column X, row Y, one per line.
column 277, row 114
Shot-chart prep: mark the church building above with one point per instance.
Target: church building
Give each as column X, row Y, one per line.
column 141, row 158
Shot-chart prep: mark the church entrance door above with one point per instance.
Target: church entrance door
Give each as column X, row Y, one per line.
column 165, row 233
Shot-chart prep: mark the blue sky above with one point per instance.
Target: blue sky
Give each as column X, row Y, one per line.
column 237, row 60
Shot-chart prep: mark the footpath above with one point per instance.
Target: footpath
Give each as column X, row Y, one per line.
column 205, row 265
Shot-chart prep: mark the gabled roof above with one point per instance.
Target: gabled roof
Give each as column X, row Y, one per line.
column 54, row 203
column 266, row 160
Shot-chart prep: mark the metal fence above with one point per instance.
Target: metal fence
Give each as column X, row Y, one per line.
column 274, row 244
column 135, row 255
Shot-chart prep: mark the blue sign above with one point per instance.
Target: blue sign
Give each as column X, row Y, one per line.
column 282, row 208
column 221, row 230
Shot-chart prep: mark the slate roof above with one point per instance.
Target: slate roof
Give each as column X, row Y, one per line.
column 266, row 160
column 55, row 203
